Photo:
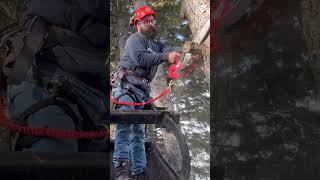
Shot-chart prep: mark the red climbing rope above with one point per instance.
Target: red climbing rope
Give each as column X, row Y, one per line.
column 47, row 132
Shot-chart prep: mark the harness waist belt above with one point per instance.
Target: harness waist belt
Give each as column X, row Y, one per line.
column 132, row 73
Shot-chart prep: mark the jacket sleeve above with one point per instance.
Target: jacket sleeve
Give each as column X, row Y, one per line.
column 63, row 14
column 137, row 51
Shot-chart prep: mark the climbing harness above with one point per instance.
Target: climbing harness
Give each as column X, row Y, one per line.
column 163, row 93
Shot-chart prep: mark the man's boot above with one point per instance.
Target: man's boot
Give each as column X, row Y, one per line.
column 122, row 171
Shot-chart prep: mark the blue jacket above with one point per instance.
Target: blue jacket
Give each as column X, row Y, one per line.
column 143, row 56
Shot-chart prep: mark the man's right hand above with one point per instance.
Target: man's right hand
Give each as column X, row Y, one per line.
column 174, row 57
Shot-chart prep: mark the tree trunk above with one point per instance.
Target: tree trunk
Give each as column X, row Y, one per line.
column 197, row 12
column 119, row 28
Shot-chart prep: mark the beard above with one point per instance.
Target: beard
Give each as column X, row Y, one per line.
column 150, row 33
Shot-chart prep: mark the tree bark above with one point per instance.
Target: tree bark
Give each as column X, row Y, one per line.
column 197, row 12
column 119, row 28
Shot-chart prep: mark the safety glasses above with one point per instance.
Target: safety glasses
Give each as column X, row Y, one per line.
column 148, row 22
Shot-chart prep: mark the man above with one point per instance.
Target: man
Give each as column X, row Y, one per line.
column 139, row 62
column 63, row 55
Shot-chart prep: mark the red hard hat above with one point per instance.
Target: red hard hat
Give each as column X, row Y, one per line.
column 141, row 13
